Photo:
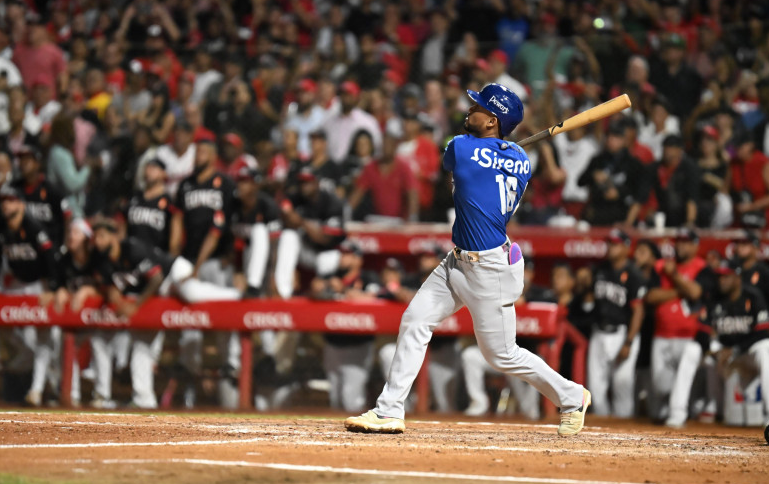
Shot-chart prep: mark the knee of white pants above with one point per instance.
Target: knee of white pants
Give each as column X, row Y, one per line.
column 327, row 262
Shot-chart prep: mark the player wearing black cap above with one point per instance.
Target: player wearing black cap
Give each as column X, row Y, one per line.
column 255, row 222
column 314, row 227
column 739, row 322
column 206, row 199
column 43, row 202
column 132, row 267
column 151, row 216
column 754, row 272
column 29, row 255
column 614, row 343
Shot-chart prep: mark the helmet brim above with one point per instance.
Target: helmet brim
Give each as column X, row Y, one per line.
column 476, row 96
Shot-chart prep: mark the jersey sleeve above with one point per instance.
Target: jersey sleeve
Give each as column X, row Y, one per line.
column 636, row 289
column 449, row 156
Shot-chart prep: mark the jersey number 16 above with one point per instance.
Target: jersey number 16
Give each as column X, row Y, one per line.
column 507, row 188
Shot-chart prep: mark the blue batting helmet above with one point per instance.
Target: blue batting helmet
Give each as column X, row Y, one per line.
column 502, row 103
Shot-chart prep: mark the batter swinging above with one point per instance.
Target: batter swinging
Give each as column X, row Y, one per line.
column 483, row 272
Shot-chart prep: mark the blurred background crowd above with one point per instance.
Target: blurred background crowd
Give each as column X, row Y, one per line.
column 241, row 136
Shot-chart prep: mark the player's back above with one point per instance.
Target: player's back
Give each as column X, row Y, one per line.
column 490, row 176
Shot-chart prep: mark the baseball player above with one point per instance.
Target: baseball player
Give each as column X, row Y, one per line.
column 206, row 198
column 43, row 202
column 131, row 267
column 675, row 289
column 151, row 215
column 255, row 222
column 614, row 342
column 483, row 272
column 739, row 319
column 754, row 272
column 31, row 269
column 314, row 227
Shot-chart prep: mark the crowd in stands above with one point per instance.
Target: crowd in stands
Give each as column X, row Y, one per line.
column 210, row 148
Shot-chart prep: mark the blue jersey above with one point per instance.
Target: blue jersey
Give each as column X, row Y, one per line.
column 490, row 176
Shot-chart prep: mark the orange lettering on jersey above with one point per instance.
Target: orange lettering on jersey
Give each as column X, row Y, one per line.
column 754, row 278
column 623, row 278
column 42, row 194
column 23, row 234
column 162, row 204
column 217, row 182
column 747, row 306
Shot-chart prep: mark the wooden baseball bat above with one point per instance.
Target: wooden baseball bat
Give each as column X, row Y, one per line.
column 593, row 114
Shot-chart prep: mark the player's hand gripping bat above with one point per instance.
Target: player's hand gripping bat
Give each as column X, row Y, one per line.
column 593, row 114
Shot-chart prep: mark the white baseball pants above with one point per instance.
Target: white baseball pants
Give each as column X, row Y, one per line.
column 488, row 288
column 674, row 366
column 347, row 369
column 602, row 372
column 291, row 251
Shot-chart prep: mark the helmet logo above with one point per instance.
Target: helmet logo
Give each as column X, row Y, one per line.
column 493, row 100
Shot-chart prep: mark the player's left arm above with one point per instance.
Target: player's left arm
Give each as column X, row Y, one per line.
column 176, row 232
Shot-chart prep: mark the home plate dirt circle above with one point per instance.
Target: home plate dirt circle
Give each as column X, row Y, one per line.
column 128, row 447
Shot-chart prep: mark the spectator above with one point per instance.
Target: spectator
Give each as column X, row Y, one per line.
column 433, row 50
column 715, row 206
column 240, row 115
column 419, row 151
column 205, row 74
column 304, row 116
column 660, row 124
column 39, row 58
column 342, row 126
column 234, row 157
column 64, row 173
column 750, row 183
column 114, row 74
column 534, row 54
column 42, row 108
column 17, row 136
column 616, row 182
column 498, row 61
column 674, row 79
column 327, row 172
column 96, row 90
column 192, row 115
column 676, row 184
column 178, row 157
column 158, row 117
column 135, row 99
column 393, row 188
column 544, row 199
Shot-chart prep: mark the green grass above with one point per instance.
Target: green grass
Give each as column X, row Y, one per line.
column 14, row 479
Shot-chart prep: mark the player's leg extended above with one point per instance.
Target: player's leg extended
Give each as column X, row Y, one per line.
column 289, row 245
column 474, row 366
column 690, row 358
column 623, row 378
column 434, row 302
column 599, row 370
column 492, row 287
column 760, row 352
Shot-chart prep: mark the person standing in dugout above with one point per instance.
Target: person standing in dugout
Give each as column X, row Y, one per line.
column 738, row 320
column 614, row 342
column 31, row 270
column 207, row 199
column 42, row 201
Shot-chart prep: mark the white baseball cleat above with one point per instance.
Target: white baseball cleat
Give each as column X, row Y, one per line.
column 476, row 409
column 572, row 422
column 370, row 422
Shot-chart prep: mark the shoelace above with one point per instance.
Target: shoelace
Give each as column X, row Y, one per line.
column 566, row 418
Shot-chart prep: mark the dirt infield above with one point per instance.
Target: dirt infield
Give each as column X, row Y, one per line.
column 116, row 448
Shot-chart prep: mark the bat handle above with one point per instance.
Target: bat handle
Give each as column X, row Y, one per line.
column 537, row 137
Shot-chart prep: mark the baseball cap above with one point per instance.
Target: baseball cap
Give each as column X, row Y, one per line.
column 498, row 55
column 673, row 140
column 502, row 103
column 617, row 236
column 307, row 85
column 157, row 162
column 8, row 192
column 617, row 128
column 687, row 235
column 233, row 139
column 748, row 237
column 351, row 247
column 306, row 174
column 711, row 132
column 28, row 150
column 105, row 223
column 729, row 267
column 204, row 137
column 393, row 264
column 248, row 174
column 349, row 87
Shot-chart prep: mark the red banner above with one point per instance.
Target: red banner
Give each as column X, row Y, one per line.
column 539, row 320
column 534, row 241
